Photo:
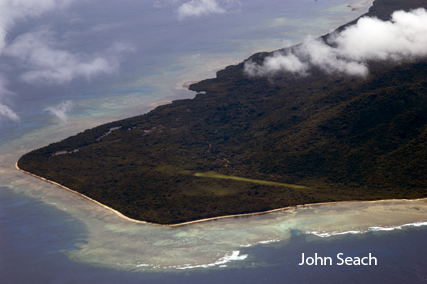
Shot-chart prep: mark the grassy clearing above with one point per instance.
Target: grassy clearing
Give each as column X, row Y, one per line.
column 264, row 182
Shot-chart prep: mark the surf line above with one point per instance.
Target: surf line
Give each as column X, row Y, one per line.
column 212, row 218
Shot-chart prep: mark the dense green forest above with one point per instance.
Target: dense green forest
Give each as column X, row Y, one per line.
column 337, row 137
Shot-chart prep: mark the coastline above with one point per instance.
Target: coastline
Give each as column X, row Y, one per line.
column 211, row 218
column 50, row 233
column 217, row 217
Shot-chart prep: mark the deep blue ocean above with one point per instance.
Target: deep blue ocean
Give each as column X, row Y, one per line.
column 115, row 59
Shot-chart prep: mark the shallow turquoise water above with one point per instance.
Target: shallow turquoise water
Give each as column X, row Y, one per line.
column 34, row 238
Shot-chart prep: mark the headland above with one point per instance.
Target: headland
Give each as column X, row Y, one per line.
column 250, row 145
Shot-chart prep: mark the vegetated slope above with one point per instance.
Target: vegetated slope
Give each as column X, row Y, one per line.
column 344, row 138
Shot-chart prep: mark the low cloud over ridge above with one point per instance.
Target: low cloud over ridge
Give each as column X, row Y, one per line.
column 370, row 39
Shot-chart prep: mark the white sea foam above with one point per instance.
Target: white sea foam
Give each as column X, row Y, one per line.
column 370, row 229
column 269, row 241
column 329, row 234
column 416, row 224
column 220, row 262
column 261, row 242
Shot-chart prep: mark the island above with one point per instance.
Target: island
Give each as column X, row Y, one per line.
column 248, row 144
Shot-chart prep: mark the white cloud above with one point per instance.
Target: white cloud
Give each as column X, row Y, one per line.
column 42, row 58
column 61, row 110
column 13, row 10
column 404, row 36
column 331, row 60
column 196, row 8
column 5, row 111
column 371, row 39
column 276, row 63
column 45, row 63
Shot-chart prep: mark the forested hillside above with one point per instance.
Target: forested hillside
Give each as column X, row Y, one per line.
column 338, row 137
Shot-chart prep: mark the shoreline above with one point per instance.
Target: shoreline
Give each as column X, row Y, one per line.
column 211, row 218
column 225, row 216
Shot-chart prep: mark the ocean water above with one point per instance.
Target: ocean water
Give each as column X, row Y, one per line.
column 48, row 235
column 35, row 239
